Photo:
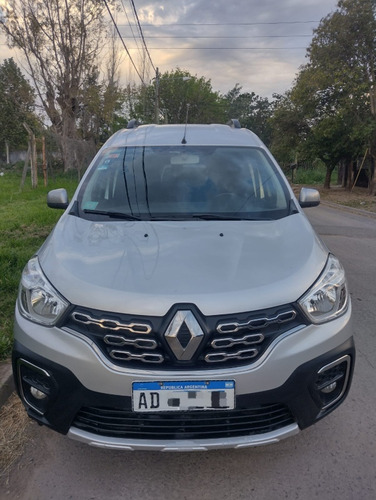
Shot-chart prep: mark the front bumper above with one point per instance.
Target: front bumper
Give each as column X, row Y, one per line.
column 183, row 444
column 67, row 385
column 297, row 403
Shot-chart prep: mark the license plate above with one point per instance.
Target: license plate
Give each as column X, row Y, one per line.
column 183, row 396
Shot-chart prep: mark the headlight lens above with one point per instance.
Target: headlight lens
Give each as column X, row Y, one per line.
column 38, row 300
column 328, row 297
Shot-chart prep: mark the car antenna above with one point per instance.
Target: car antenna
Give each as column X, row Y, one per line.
column 185, row 128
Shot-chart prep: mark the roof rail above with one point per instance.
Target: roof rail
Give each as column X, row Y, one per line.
column 234, row 123
column 133, row 123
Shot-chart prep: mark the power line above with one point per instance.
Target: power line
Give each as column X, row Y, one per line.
column 223, row 48
column 226, row 24
column 142, row 35
column 214, row 48
column 226, row 37
column 122, row 41
column 130, row 25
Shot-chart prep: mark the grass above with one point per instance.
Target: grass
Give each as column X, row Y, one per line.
column 25, row 222
column 314, row 175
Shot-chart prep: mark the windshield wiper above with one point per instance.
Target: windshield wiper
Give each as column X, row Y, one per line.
column 214, row 217
column 224, row 217
column 114, row 215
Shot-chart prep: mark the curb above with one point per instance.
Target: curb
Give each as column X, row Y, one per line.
column 6, row 381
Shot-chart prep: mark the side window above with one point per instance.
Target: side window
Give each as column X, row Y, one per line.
column 106, row 188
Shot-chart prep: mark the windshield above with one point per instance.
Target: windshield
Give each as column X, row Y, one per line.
column 184, row 182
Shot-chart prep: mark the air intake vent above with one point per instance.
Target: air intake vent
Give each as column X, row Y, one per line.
column 112, row 422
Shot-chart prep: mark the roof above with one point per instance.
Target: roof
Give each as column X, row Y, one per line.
column 170, row 135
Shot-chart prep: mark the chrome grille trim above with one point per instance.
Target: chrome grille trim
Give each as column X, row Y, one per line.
column 145, row 357
column 119, row 341
column 257, row 323
column 201, row 372
column 123, row 347
column 231, row 342
column 219, row 357
column 111, row 324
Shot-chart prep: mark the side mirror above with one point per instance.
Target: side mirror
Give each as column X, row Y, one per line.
column 309, row 198
column 58, row 198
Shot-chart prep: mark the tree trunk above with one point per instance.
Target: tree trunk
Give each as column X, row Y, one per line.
column 7, row 151
column 69, row 142
column 33, row 156
column 34, row 166
column 372, row 180
column 341, row 178
column 350, row 175
column 328, row 175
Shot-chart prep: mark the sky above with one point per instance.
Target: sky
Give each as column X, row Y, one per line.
column 258, row 44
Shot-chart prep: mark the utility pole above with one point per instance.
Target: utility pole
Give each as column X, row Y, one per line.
column 157, row 96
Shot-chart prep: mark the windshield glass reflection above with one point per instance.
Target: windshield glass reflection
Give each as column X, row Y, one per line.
column 186, row 182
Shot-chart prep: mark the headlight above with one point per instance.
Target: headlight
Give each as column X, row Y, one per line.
column 38, row 300
column 328, row 297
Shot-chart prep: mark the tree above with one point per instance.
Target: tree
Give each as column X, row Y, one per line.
column 61, row 42
column 102, row 101
column 16, row 105
column 338, row 83
column 251, row 110
column 343, row 46
column 170, row 94
column 101, row 105
column 113, row 95
column 331, row 104
column 289, row 128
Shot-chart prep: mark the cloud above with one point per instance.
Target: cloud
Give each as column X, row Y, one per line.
column 253, row 43
column 259, row 45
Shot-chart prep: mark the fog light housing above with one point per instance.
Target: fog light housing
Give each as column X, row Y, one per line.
column 332, row 381
column 35, row 384
column 329, row 388
column 37, row 394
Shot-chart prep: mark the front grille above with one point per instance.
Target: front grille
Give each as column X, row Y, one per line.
column 228, row 341
column 113, row 422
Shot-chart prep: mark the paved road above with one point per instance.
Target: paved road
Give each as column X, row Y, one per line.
column 335, row 459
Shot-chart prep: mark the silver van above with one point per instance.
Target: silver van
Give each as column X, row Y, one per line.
column 183, row 300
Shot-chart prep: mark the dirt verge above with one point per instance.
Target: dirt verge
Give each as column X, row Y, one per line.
column 13, row 436
column 358, row 198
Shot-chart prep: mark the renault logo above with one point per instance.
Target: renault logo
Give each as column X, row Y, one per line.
column 184, row 335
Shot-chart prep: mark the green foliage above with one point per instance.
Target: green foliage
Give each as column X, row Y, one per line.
column 16, row 105
column 330, row 112
column 253, row 112
column 101, row 104
column 171, row 94
column 343, row 47
column 25, row 222
column 313, row 175
column 288, row 129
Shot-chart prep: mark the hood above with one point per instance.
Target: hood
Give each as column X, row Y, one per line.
column 146, row 267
